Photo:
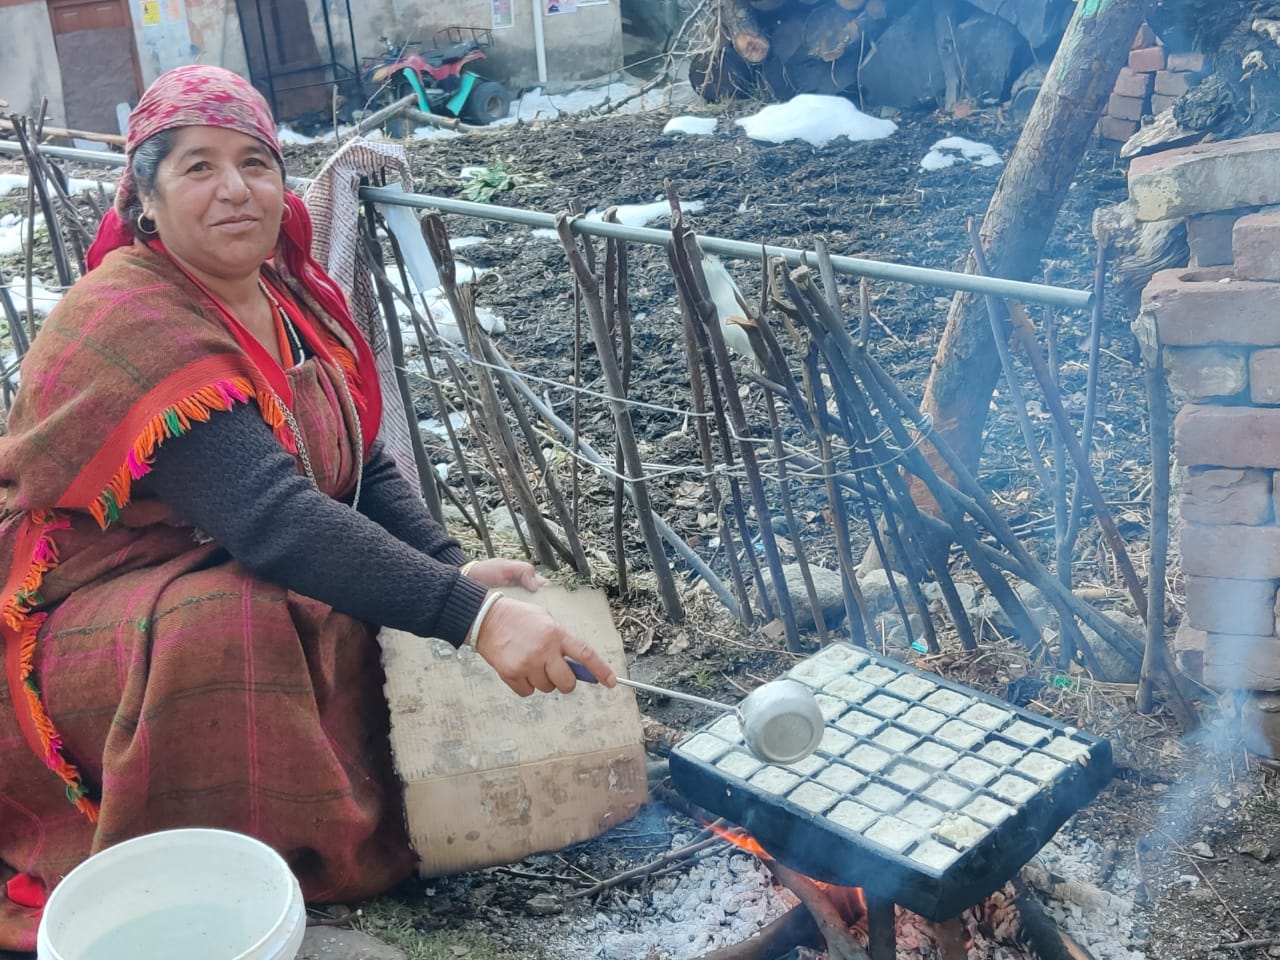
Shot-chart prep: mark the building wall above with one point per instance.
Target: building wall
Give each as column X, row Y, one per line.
column 30, row 60
column 581, row 43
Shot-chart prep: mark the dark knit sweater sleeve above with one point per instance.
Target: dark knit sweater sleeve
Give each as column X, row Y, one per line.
column 396, row 505
column 231, row 479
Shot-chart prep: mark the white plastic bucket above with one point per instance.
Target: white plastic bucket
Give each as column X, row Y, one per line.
column 190, row 894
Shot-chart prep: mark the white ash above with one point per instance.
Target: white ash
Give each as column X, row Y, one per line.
column 720, row 900
column 1104, row 922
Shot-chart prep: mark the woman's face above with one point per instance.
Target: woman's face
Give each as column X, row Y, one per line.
column 218, row 200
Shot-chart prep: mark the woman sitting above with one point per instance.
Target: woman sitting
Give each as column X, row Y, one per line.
column 203, row 539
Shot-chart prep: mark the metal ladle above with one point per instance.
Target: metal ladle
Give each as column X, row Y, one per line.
column 781, row 722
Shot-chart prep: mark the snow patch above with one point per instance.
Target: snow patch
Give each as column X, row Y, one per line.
column 13, row 182
column 43, row 299
column 951, row 150
column 632, row 215
column 814, row 118
column 693, row 126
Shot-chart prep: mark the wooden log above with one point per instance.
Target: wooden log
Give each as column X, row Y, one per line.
column 114, row 139
column 1043, row 164
column 786, row 39
column 795, row 928
column 718, row 74
column 377, row 118
column 828, row 31
column 811, row 75
column 738, row 22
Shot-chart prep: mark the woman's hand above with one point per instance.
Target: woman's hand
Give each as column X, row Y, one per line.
column 497, row 572
column 526, row 646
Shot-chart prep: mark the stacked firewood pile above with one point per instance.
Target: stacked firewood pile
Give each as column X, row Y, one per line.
column 895, row 53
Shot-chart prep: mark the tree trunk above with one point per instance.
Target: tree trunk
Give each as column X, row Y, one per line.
column 1022, row 214
column 738, row 21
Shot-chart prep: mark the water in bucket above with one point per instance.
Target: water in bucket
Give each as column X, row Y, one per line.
column 194, row 894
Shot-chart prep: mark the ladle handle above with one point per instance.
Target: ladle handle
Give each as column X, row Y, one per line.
column 582, row 673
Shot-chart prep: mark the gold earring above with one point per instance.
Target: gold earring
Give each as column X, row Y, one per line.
column 146, row 226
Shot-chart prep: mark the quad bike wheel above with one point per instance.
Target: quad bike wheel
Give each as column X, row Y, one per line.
column 487, row 102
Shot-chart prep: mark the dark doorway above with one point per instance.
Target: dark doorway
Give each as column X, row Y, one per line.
column 94, row 40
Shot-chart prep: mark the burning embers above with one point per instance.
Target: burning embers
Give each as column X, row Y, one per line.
column 925, row 793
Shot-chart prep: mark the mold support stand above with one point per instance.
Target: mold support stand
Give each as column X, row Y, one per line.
column 882, row 930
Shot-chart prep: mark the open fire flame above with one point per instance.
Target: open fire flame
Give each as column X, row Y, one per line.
column 848, row 901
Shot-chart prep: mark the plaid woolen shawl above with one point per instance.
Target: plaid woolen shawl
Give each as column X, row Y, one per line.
column 135, row 353
column 163, row 683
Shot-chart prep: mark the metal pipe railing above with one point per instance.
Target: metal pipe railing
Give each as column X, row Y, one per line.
column 737, row 249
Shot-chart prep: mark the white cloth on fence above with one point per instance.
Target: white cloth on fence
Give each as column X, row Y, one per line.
column 333, row 201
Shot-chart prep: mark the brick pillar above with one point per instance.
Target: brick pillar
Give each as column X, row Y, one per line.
column 1219, row 331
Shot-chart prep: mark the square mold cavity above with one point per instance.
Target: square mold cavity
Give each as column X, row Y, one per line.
column 840, row 778
column 972, row 770
column 774, row 780
column 879, row 797
column 727, row 728
column 1000, row 753
column 960, row 831
column 815, row 671
column 922, row 719
column 934, row 855
column 846, row 655
column 884, row 706
column 988, row 810
column 813, row 797
column 830, row 707
column 947, row 701
column 807, row 766
column 1014, row 789
column 947, row 793
column 738, row 764
column 986, row 716
column 934, row 755
column 911, row 687
column 848, row 688
column 1027, row 734
column 868, row 758
column 876, row 675
column 703, row 746
column 893, row 833
column 835, row 742
column 859, row 724
column 920, row 813
column 852, row 816
column 1040, row 767
column 907, row 776
column 959, row 734
column 895, row 740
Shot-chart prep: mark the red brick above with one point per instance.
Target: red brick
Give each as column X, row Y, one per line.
column 1126, row 108
column 1194, row 308
column 1207, row 373
column 1146, row 37
column 1113, row 128
column 1238, row 662
column 1161, row 103
column 1210, row 436
column 1146, row 59
column 1130, row 84
column 1186, row 62
column 1188, row 651
column 1222, row 495
column 1209, row 236
column 1255, row 243
column 1206, row 178
column 1264, row 376
column 1172, row 84
column 1244, row 607
column 1231, row 550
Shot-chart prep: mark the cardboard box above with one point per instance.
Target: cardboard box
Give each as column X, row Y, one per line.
column 490, row 777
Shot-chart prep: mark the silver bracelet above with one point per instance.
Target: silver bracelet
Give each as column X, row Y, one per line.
column 473, row 635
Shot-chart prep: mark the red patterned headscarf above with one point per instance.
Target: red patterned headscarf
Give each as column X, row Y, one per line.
column 208, row 96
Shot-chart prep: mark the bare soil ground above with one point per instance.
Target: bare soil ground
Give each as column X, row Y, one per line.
column 1190, row 825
